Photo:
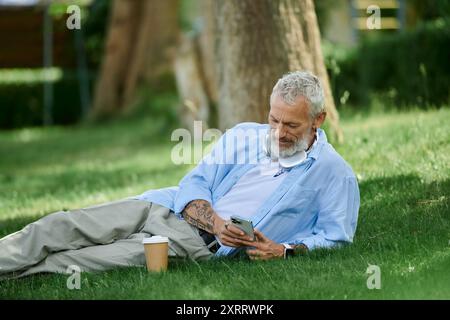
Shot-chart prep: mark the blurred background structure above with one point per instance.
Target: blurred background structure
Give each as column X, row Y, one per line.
column 403, row 64
column 216, row 61
column 46, row 71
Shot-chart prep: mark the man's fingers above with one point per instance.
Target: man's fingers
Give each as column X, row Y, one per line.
column 230, row 241
column 249, row 243
column 254, row 252
column 238, row 242
column 235, row 230
column 234, row 235
column 259, row 235
column 230, row 234
column 257, row 255
column 229, row 244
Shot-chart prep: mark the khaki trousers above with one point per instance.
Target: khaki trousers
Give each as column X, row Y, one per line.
column 96, row 238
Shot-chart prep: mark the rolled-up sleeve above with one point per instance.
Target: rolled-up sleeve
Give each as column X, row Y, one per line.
column 198, row 183
column 337, row 215
column 195, row 185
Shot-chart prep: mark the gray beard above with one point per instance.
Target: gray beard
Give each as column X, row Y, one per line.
column 275, row 152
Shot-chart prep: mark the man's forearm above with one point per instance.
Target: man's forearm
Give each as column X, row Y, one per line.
column 200, row 214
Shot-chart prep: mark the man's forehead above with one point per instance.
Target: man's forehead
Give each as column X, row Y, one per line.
column 299, row 110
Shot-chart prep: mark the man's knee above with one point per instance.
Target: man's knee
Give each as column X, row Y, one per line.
column 53, row 220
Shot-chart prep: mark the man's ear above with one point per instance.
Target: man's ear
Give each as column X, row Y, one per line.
column 319, row 119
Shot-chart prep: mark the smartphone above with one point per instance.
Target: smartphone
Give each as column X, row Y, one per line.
column 244, row 225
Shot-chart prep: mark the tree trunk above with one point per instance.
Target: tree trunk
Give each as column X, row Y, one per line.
column 207, row 49
column 258, row 42
column 139, row 48
column 191, row 83
column 124, row 21
column 195, row 70
column 155, row 45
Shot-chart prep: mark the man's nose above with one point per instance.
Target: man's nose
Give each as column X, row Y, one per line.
column 281, row 131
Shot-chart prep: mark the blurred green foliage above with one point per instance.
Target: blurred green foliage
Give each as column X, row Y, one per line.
column 95, row 29
column 21, row 104
column 427, row 10
column 406, row 68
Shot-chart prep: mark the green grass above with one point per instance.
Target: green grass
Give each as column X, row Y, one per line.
column 401, row 159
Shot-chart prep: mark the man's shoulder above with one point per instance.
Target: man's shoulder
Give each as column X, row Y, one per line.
column 333, row 163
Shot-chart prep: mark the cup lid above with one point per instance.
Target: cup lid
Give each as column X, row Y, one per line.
column 155, row 239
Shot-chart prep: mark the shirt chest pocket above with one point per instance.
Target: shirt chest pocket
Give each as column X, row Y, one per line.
column 299, row 201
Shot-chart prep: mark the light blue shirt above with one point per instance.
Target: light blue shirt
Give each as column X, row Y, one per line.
column 317, row 204
column 250, row 192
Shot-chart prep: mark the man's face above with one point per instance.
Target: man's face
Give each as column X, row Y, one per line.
column 291, row 126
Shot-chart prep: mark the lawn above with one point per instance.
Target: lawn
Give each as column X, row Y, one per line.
column 401, row 160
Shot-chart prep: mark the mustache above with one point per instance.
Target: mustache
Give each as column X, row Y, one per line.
column 274, row 137
column 284, row 140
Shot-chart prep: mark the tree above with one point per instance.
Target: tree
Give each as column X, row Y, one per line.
column 108, row 97
column 195, row 69
column 155, row 45
column 258, row 42
column 139, row 48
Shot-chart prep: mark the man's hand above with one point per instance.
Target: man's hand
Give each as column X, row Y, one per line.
column 200, row 214
column 264, row 248
column 228, row 234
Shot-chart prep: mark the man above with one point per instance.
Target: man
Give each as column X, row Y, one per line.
column 295, row 188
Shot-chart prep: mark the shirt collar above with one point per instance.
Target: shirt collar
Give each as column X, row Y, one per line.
column 321, row 139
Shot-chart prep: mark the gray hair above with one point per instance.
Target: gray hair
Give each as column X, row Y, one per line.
column 301, row 83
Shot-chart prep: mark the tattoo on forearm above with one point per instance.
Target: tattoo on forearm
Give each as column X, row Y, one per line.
column 200, row 214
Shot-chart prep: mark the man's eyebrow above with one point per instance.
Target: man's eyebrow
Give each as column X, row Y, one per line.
column 288, row 123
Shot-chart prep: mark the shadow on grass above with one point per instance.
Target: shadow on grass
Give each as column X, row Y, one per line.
column 401, row 205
